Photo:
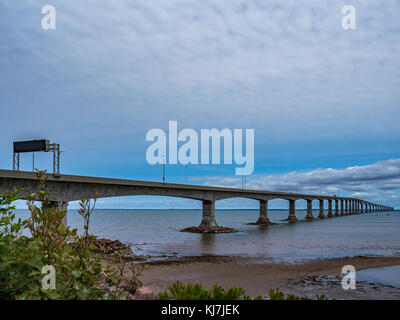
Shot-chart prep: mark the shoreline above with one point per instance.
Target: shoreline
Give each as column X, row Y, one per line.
column 305, row 279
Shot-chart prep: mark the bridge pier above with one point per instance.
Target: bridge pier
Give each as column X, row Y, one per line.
column 342, row 207
column 330, row 214
column 292, row 211
column 263, row 218
column 208, row 221
column 309, row 215
column 337, row 208
column 321, row 209
column 62, row 205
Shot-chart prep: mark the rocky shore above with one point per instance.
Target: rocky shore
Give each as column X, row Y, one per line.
column 106, row 249
column 107, row 246
column 209, row 230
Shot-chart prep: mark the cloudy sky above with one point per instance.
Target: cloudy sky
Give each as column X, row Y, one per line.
column 323, row 101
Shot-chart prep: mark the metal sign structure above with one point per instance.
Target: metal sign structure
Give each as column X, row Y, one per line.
column 35, row 146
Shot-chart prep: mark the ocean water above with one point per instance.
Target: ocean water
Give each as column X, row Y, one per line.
column 388, row 276
column 155, row 233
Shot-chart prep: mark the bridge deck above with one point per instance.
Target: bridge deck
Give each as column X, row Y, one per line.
column 26, row 175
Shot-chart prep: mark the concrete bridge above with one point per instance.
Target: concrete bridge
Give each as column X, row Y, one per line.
column 67, row 188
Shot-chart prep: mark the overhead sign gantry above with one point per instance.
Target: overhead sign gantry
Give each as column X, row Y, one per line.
column 37, row 146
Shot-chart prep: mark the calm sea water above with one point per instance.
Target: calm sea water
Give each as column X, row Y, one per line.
column 388, row 275
column 156, row 233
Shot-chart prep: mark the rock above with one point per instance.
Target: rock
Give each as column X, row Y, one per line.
column 144, row 293
column 107, row 246
column 144, row 290
column 209, row 230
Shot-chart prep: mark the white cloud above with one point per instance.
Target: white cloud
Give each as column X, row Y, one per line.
column 378, row 181
column 288, row 61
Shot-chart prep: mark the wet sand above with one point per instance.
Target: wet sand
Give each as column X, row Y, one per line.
column 256, row 277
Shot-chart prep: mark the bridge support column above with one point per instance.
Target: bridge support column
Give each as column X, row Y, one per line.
column 292, row 211
column 362, row 207
column 208, row 222
column 330, row 215
column 346, row 209
column 321, row 209
column 263, row 219
column 337, row 208
column 341, row 207
column 309, row 215
column 62, row 205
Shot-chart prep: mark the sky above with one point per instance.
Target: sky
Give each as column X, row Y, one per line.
column 323, row 101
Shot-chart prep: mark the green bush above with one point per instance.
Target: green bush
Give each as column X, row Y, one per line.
column 79, row 275
column 279, row 295
column 179, row 291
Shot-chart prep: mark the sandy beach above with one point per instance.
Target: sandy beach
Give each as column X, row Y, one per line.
column 256, row 277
